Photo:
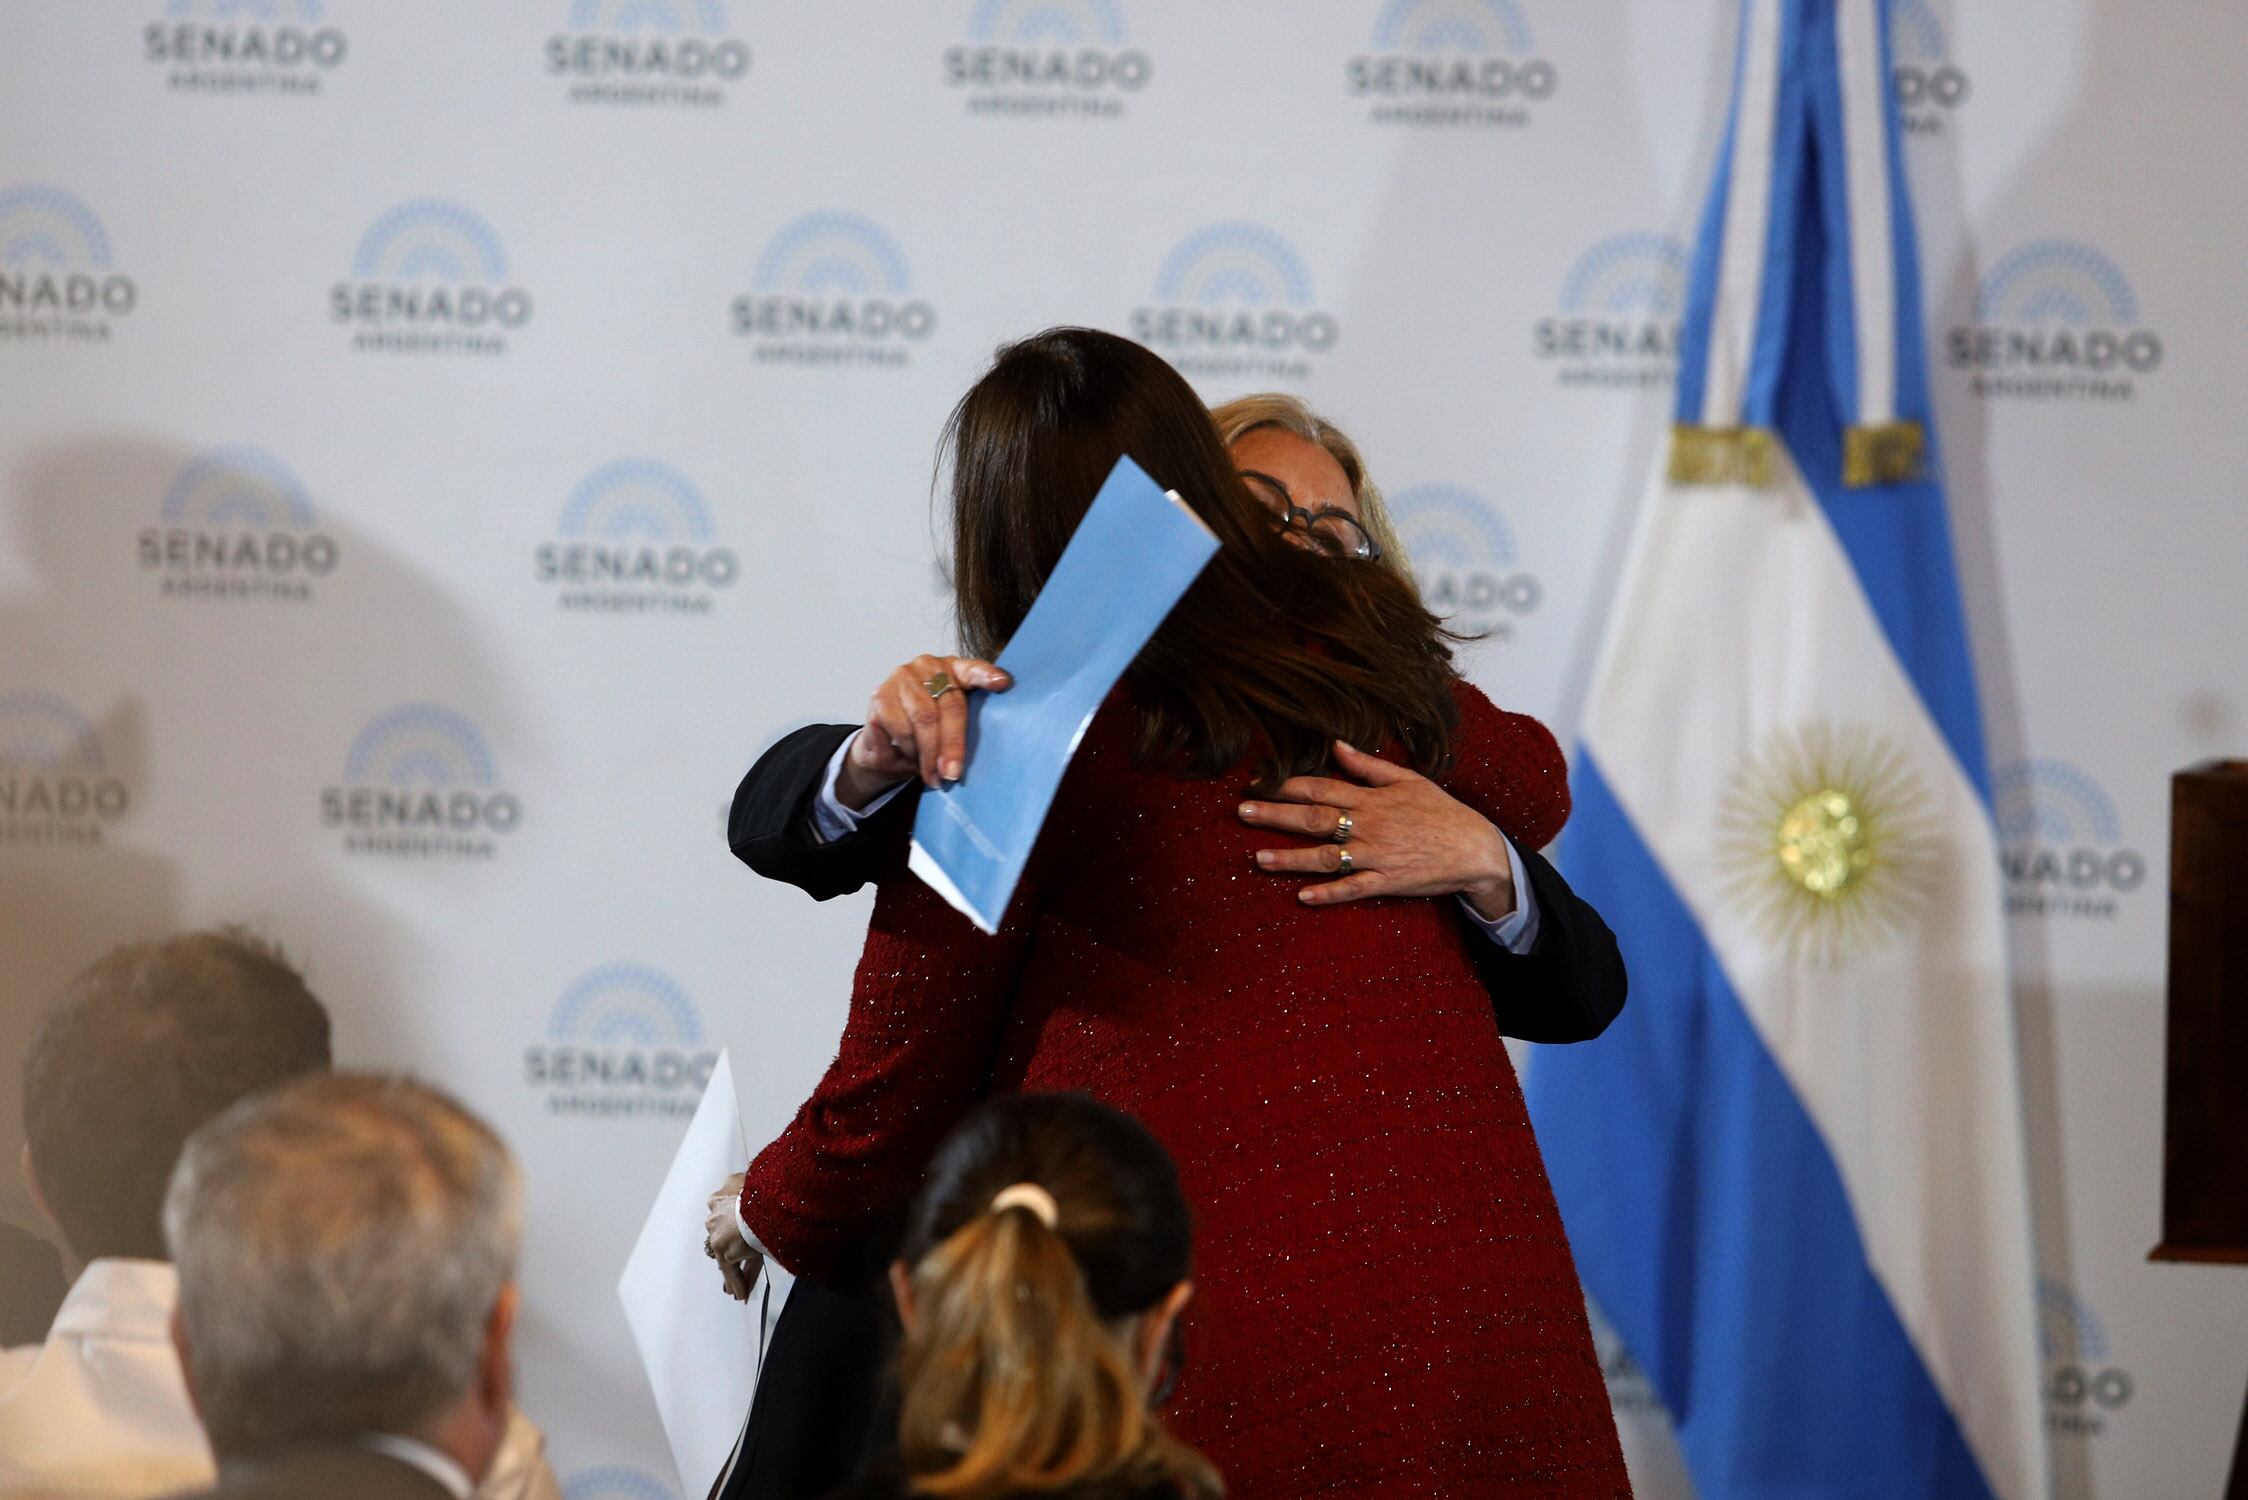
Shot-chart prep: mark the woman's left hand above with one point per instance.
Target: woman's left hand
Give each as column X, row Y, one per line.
column 1408, row 837
column 738, row 1264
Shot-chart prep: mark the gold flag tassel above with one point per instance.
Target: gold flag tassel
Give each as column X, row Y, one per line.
column 1720, row 455
column 1883, row 453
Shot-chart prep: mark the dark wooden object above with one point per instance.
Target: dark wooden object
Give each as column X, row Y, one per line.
column 2205, row 1129
column 2205, row 1119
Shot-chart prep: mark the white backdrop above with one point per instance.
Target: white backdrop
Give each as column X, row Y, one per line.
column 440, row 445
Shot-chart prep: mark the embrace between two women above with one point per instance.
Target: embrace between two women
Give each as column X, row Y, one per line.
column 1382, row 1299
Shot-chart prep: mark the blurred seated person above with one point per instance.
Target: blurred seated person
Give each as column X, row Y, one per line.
column 1045, row 1265
column 144, row 1047
column 346, row 1248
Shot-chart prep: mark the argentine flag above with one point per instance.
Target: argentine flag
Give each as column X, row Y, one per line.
column 1793, row 1171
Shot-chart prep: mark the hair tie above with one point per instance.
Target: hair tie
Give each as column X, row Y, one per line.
column 1031, row 1196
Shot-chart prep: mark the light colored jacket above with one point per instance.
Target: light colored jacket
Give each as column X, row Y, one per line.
column 100, row 1410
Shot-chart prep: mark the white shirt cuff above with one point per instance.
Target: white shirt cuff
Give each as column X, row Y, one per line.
column 749, row 1236
column 831, row 820
column 1517, row 931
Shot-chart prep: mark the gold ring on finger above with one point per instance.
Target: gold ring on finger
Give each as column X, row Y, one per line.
column 1343, row 861
column 1343, row 826
column 938, row 685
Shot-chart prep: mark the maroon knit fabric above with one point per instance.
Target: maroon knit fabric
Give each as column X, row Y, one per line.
column 1386, row 1303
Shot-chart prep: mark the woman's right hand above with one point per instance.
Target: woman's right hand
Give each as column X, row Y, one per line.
column 738, row 1260
column 910, row 732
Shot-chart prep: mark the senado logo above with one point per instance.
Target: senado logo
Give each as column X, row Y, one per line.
column 833, row 289
column 647, row 52
column 1235, row 299
column 1450, row 63
column 244, row 46
column 1616, row 320
column 635, row 537
column 1928, row 84
column 1463, row 554
column 1047, row 58
column 420, row 783
column 236, row 525
column 2055, row 320
column 623, row 1040
column 429, row 277
column 2062, row 846
column 56, row 786
column 2084, row 1386
column 58, row 282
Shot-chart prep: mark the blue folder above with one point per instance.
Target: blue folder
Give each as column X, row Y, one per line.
column 1131, row 558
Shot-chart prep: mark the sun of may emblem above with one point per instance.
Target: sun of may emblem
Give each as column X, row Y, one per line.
column 1826, row 839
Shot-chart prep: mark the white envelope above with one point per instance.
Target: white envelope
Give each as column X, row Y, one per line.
column 700, row 1347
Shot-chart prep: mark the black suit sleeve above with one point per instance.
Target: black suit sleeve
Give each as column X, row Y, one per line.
column 1571, row 983
column 770, row 826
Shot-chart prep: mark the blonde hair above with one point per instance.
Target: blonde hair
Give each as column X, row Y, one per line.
column 1017, row 1372
column 1243, row 415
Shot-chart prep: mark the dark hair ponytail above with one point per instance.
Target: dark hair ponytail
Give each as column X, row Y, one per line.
column 1014, row 1377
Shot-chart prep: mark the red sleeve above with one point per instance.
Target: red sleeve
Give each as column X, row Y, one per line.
column 1509, row 768
column 927, row 1007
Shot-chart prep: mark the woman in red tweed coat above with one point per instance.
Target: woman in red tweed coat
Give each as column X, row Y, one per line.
column 1386, row 1300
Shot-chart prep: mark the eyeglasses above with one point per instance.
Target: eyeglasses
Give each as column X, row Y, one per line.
column 1329, row 528
column 1336, row 532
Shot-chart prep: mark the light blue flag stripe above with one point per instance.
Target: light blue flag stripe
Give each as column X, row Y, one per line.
column 1822, row 74
column 1701, row 269
column 1783, row 240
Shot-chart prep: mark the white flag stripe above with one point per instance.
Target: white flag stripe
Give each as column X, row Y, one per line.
column 1865, row 147
column 1748, row 214
column 1746, row 622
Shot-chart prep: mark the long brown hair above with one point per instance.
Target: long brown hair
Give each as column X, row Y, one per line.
column 1273, row 653
column 1015, row 1376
